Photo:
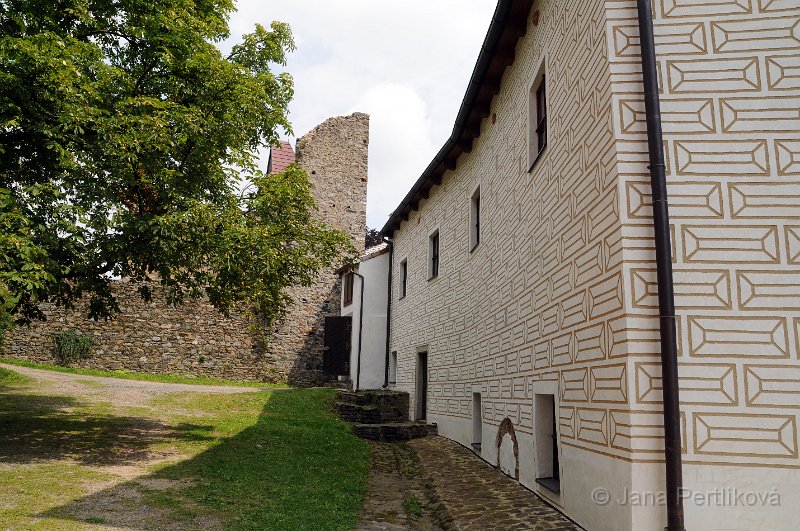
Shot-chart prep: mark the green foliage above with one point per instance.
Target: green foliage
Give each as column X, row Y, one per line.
column 413, row 506
column 124, row 137
column 71, row 346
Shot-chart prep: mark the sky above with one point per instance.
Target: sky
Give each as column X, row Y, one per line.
column 405, row 63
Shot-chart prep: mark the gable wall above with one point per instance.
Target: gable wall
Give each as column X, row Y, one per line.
column 540, row 300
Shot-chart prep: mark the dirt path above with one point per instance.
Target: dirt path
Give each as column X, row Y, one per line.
column 119, row 392
column 81, row 452
column 398, row 498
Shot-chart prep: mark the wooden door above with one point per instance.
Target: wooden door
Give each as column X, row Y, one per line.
column 338, row 332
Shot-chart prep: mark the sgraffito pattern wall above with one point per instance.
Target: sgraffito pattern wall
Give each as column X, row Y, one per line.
column 541, row 297
column 730, row 83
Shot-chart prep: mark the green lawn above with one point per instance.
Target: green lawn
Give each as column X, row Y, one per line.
column 189, row 460
column 146, row 377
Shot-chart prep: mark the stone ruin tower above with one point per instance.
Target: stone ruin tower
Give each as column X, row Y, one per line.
column 194, row 338
column 335, row 156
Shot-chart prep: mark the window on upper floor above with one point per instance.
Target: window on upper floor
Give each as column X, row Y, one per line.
column 475, row 219
column 433, row 255
column 537, row 118
column 348, row 289
column 403, row 278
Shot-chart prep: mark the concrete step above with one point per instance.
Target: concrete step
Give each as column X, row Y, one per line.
column 394, row 431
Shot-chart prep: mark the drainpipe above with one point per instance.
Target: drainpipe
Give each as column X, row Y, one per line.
column 360, row 331
column 388, row 311
column 666, row 297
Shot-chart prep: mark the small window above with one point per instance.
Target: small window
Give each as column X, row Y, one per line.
column 433, row 253
column 348, row 289
column 477, row 422
column 475, row 220
column 537, row 118
column 403, row 278
column 393, row 368
column 546, row 442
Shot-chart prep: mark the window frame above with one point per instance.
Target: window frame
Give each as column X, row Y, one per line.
column 538, row 124
column 434, row 255
column 475, row 219
column 348, row 288
column 403, row 278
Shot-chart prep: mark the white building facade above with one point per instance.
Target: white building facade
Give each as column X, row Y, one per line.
column 524, row 312
column 367, row 364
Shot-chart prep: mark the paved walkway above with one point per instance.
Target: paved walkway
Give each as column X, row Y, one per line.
column 476, row 496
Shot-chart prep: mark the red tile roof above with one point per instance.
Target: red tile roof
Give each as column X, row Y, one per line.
column 280, row 157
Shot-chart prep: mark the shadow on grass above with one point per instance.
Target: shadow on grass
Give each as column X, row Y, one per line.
column 42, row 427
column 298, row 467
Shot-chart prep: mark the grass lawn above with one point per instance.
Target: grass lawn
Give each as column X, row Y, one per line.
column 146, row 377
column 77, row 456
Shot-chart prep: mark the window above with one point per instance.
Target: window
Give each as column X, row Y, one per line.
column 403, row 278
column 393, row 368
column 348, row 289
column 537, row 118
column 546, row 441
column 433, row 253
column 475, row 219
column 477, row 422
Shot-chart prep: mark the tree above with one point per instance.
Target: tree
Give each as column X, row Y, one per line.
column 373, row 238
column 124, row 137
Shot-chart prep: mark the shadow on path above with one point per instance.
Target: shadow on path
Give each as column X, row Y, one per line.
column 42, row 427
column 298, row 467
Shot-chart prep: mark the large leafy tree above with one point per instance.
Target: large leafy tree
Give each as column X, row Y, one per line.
column 125, row 135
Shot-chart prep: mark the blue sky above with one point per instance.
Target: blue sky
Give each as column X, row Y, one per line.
column 405, row 63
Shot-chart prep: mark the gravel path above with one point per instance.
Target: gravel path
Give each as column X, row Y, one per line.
column 118, row 391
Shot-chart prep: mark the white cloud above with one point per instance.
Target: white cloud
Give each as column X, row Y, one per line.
column 406, row 64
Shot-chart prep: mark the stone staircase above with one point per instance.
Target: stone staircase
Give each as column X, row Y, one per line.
column 380, row 416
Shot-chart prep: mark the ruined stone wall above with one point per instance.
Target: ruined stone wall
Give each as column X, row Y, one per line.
column 195, row 338
column 335, row 156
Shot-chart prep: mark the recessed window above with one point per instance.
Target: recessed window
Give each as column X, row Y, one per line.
column 537, row 118
column 348, row 289
column 403, row 278
column 477, row 422
column 433, row 255
column 475, row 219
column 393, row 368
column 546, row 441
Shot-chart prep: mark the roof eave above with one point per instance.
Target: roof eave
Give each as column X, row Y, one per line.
column 509, row 24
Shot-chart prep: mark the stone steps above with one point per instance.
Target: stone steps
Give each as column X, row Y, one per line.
column 380, row 415
column 394, row 431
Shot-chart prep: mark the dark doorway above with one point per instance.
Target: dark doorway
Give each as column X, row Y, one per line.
column 336, row 360
column 422, row 386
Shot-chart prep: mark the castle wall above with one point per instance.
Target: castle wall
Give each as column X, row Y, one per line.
column 195, row 338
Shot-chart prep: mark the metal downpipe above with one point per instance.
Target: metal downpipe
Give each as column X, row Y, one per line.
column 388, row 312
column 360, row 332
column 666, row 296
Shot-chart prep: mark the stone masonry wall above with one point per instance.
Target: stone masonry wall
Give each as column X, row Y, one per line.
column 195, row 338
column 335, row 156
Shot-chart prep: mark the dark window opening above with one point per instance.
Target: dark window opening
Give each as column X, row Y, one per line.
column 541, row 115
column 475, row 219
column 348, row 289
column 434, row 252
column 403, row 278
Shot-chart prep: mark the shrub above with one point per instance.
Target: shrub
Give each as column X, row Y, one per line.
column 72, row 346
